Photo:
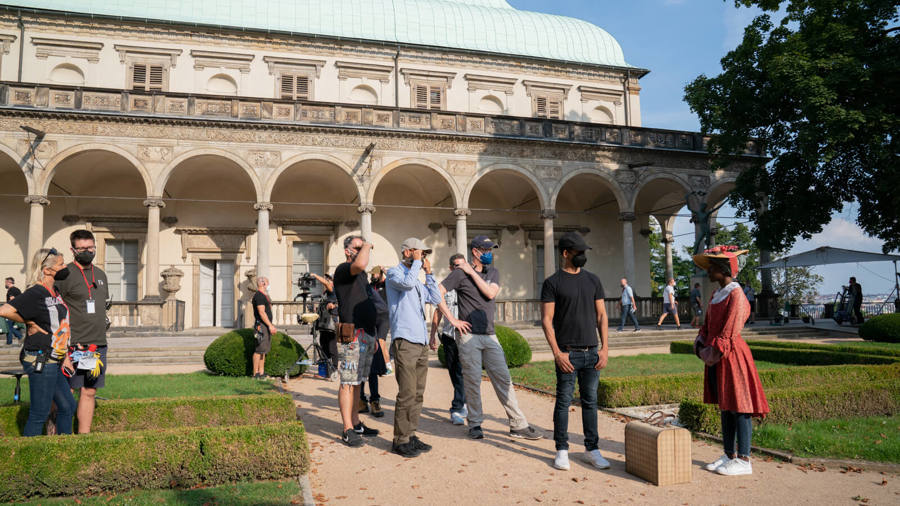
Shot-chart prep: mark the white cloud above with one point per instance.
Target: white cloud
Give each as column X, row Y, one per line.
column 840, row 233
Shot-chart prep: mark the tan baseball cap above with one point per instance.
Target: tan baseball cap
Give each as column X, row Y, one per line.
column 413, row 243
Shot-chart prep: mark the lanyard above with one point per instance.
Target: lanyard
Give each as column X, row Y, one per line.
column 83, row 275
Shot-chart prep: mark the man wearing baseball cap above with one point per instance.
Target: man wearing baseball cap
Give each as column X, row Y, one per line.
column 477, row 285
column 407, row 296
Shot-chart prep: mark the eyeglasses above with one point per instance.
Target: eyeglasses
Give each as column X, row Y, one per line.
column 92, row 249
column 51, row 252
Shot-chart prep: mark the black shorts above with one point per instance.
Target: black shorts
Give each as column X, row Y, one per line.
column 82, row 377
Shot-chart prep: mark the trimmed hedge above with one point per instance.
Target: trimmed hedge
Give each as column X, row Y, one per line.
column 784, row 353
column 515, row 347
column 843, row 348
column 143, row 414
column 882, row 328
column 790, row 405
column 671, row 388
column 93, row 463
column 232, row 355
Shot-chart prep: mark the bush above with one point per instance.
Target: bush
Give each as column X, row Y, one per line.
column 806, row 353
column 515, row 347
column 94, row 463
column 232, row 355
column 143, row 414
column 883, row 328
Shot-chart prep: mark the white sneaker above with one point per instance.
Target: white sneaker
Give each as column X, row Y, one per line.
column 735, row 467
column 561, row 461
column 390, row 368
column 712, row 466
column 595, row 458
column 457, row 418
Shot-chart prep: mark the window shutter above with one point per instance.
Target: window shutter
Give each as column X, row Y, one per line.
column 540, row 107
column 435, row 95
column 421, row 97
column 155, row 80
column 287, row 86
column 554, row 109
column 302, row 88
column 139, row 77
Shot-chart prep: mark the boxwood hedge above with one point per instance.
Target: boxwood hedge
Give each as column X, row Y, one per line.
column 883, row 328
column 232, row 355
column 811, row 354
column 515, row 347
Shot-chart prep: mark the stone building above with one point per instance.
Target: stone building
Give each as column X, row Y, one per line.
column 219, row 141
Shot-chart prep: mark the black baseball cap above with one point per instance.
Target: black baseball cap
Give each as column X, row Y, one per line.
column 573, row 241
column 482, row 242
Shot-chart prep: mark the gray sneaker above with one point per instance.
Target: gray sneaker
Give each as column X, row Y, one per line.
column 526, row 433
column 476, row 432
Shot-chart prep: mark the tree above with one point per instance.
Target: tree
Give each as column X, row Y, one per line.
column 819, row 92
column 683, row 268
column 741, row 236
column 796, row 285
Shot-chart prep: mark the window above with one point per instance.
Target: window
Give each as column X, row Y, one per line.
column 294, row 87
column 491, row 105
column 363, row 94
column 539, row 275
column 428, row 96
column 122, row 270
column 148, row 77
column 547, row 106
column 308, row 257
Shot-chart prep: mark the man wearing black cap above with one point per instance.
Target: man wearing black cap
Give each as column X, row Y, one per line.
column 476, row 285
column 573, row 312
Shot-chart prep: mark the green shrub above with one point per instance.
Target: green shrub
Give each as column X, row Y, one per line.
column 883, row 328
column 232, row 355
column 681, row 347
column 806, row 353
column 142, row 414
column 515, row 347
column 94, row 463
column 864, row 349
column 789, row 405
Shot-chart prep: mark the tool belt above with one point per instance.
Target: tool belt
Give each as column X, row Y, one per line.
column 346, row 332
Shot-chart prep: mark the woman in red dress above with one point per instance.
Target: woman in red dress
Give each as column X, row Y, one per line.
column 730, row 377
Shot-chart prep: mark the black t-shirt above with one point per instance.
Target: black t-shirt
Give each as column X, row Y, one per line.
column 261, row 300
column 575, row 315
column 87, row 328
column 474, row 307
column 12, row 293
column 354, row 304
column 48, row 312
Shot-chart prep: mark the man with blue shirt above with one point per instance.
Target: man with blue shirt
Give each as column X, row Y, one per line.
column 627, row 304
column 407, row 296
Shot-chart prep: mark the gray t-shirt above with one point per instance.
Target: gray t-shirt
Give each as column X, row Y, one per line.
column 669, row 289
column 696, row 297
column 453, row 305
column 83, row 285
column 627, row 295
column 474, row 307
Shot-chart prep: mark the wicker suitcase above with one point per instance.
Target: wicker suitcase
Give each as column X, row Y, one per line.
column 658, row 454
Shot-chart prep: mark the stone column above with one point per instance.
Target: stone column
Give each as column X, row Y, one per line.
column 262, row 237
column 668, row 240
column 462, row 240
column 365, row 221
column 549, row 244
column 151, row 274
column 627, row 220
column 35, row 226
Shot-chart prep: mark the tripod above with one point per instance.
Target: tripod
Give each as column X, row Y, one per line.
column 313, row 354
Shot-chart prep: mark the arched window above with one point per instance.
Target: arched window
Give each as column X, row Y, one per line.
column 67, row 73
column 363, row 94
column 490, row 105
column 601, row 114
column 221, row 84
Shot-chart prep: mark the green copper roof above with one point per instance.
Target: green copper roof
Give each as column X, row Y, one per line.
column 480, row 25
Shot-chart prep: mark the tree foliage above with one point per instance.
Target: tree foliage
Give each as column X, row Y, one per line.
column 741, row 235
column 819, row 91
column 796, row 285
column 683, row 268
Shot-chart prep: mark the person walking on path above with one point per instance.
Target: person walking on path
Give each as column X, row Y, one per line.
column 572, row 314
column 670, row 305
column 12, row 291
column 477, row 285
column 407, row 296
column 86, row 291
column 696, row 306
column 730, row 377
column 449, row 334
column 626, row 302
column 262, row 325
column 356, row 336
column 379, row 360
column 44, row 355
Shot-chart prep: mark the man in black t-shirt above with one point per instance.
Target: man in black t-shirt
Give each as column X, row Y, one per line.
column 355, row 307
column 573, row 311
column 11, row 293
column 262, row 325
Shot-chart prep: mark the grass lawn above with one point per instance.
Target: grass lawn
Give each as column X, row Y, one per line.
column 256, row 493
column 873, row 344
column 140, row 386
column 542, row 375
column 874, row 438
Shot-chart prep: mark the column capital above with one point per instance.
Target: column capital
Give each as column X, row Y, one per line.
column 263, row 206
column 627, row 216
column 548, row 214
column 365, row 209
column 669, row 238
column 462, row 212
column 37, row 199
column 154, row 202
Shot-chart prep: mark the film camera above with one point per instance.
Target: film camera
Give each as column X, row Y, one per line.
column 306, row 282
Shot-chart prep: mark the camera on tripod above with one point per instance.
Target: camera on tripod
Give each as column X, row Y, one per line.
column 306, row 282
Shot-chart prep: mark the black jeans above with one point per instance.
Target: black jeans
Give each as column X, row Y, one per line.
column 857, row 313
column 328, row 342
column 740, row 425
column 588, row 378
column 378, row 367
column 451, row 355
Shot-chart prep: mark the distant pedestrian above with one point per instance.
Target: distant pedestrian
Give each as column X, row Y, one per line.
column 629, row 307
column 750, row 293
column 263, row 327
column 377, row 292
column 670, row 305
column 696, row 305
column 12, row 291
column 857, row 295
column 573, row 313
column 448, row 337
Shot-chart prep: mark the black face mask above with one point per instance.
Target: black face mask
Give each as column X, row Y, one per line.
column 579, row 260
column 61, row 275
column 84, row 257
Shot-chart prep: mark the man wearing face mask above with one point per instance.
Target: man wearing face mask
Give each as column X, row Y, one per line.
column 85, row 291
column 477, row 285
column 573, row 313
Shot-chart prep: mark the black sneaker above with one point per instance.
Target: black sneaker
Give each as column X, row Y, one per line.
column 526, row 433
column 678, row 327
column 476, row 432
column 659, row 327
column 419, row 445
column 362, row 430
column 363, row 406
column 406, row 450
column 352, row 439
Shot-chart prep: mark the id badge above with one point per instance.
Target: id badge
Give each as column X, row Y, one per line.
column 87, row 363
column 90, row 306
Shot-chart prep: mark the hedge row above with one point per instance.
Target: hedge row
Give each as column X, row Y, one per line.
column 666, row 389
column 800, row 356
column 843, row 348
column 883, row 328
column 232, row 355
column 117, row 462
column 140, row 414
column 515, row 347
column 790, row 405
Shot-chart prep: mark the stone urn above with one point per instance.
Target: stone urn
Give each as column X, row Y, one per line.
column 171, row 281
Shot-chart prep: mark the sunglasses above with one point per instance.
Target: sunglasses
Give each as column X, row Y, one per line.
column 51, row 252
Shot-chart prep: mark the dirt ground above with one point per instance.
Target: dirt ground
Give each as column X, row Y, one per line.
column 499, row 470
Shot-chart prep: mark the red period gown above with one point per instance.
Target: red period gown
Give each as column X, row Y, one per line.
column 733, row 383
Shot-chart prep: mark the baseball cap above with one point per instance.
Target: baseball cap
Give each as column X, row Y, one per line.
column 482, row 242
column 413, row 243
column 375, row 271
column 573, row 241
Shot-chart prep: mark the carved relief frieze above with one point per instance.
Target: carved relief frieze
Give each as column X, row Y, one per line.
column 504, row 126
column 699, row 182
column 560, row 131
column 62, row 99
column 283, row 112
column 264, row 159
column 21, row 96
column 444, row 121
column 534, row 128
column 314, row 113
column 415, row 119
column 461, row 167
column 549, row 172
column 250, row 110
column 154, row 154
column 475, row 125
column 350, row 116
column 97, row 101
column 140, row 103
column 382, row 119
column 177, row 106
column 220, row 108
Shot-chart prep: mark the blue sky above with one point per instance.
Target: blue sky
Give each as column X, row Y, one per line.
column 678, row 40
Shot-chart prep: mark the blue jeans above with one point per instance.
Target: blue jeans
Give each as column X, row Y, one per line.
column 451, row 355
column 740, row 425
column 12, row 331
column 627, row 310
column 588, row 378
column 46, row 388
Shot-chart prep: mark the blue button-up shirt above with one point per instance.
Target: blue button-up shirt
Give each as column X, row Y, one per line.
column 407, row 297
